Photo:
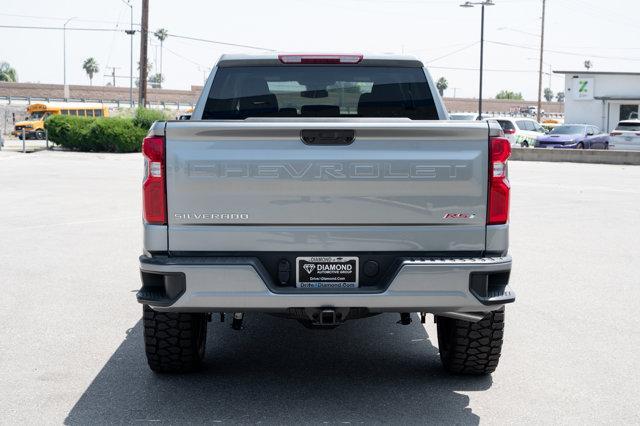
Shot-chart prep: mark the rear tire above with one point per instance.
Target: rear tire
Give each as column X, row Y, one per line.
column 174, row 341
column 40, row 134
column 580, row 145
column 471, row 348
column 525, row 144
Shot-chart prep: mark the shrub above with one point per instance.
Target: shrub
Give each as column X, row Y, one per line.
column 67, row 131
column 115, row 135
column 95, row 134
column 144, row 118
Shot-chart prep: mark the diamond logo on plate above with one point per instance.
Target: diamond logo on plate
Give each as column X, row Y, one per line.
column 309, row 267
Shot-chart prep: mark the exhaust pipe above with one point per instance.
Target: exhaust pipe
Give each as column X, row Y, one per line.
column 464, row 316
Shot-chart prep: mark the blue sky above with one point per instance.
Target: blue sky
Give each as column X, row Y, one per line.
column 439, row 32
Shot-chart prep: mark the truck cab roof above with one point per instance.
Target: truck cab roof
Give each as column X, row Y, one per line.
column 372, row 59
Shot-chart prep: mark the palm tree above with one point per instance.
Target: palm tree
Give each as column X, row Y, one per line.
column 548, row 94
column 442, row 85
column 90, row 66
column 7, row 72
column 161, row 35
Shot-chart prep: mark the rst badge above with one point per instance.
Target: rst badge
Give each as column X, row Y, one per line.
column 458, row 215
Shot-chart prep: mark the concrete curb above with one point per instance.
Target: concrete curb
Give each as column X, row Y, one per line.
column 576, row 156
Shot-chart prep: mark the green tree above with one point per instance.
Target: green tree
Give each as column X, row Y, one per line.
column 156, row 80
column 560, row 97
column 161, row 35
column 508, row 94
column 7, row 72
column 90, row 66
column 548, row 94
column 442, row 85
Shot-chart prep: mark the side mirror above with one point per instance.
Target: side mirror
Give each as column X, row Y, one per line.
column 590, row 133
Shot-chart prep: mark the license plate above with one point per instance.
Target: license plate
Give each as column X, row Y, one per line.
column 326, row 272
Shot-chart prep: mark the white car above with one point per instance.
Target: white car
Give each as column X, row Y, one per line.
column 519, row 130
column 626, row 136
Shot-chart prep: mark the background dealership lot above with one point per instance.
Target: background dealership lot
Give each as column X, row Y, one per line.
column 71, row 345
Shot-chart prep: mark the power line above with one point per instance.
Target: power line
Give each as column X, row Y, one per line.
column 39, row 27
column 185, row 58
column 42, row 27
column 562, row 52
column 222, row 42
column 490, row 70
column 53, row 18
column 454, row 52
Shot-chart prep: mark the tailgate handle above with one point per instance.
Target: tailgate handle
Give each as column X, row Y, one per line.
column 327, row 137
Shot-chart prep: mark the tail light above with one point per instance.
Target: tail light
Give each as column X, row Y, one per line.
column 320, row 59
column 509, row 131
column 154, row 200
column 499, row 187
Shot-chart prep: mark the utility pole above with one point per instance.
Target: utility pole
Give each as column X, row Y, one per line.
column 541, row 63
column 144, row 35
column 113, row 74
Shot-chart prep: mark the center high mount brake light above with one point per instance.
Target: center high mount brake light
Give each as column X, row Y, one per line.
column 320, row 59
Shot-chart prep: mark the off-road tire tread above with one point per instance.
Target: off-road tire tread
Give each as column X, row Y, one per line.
column 174, row 341
column 471, row 348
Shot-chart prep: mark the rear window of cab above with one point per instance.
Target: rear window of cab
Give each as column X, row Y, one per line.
column 243, row 92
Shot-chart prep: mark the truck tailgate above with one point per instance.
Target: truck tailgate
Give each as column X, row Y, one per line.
column 255, row 185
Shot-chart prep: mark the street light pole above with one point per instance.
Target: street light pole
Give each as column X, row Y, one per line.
column 64, row 58
column 482, row 4
column 481, row 62
column 131, row 33
column 541, row 63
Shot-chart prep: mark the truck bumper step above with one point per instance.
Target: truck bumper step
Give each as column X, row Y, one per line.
column 211, row 284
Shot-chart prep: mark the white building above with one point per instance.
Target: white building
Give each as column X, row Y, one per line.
column 601, row 98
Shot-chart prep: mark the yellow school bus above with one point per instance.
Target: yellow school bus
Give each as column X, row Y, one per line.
column 33, row 125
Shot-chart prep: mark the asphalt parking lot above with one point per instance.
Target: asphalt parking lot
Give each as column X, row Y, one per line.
column 71, row 340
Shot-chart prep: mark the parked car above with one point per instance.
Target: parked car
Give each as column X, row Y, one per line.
column 520, row 131
column 362, row 204
column 574, row 136
column 626, row 136
column 463, row 116
column 530, row 111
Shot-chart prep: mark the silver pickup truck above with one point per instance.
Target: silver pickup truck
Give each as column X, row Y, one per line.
column 324, row 188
